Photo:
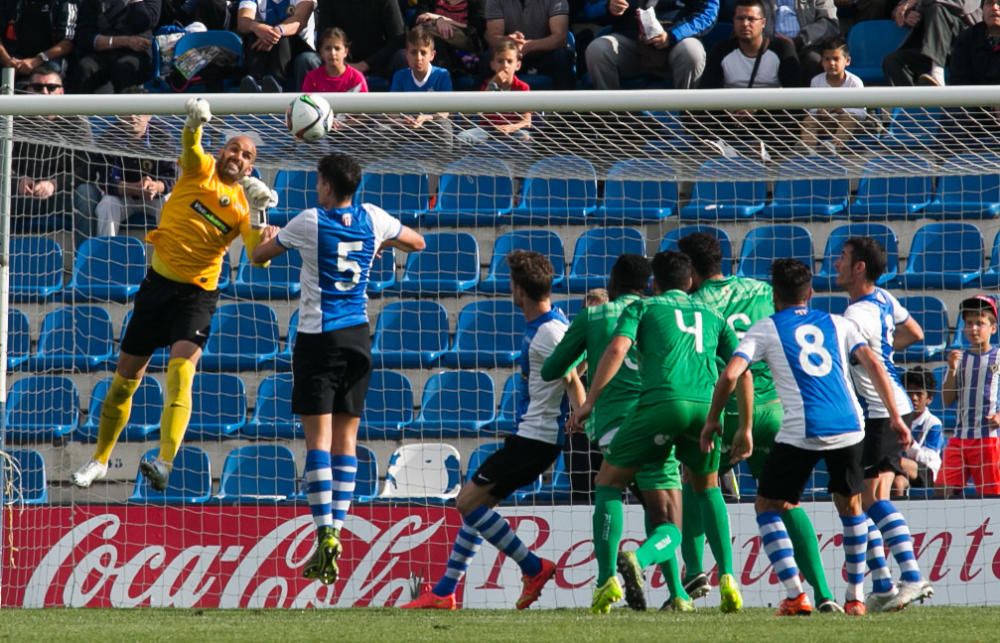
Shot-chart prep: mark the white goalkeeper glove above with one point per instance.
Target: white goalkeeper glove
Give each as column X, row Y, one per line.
column 260, row 197
column 198, row 113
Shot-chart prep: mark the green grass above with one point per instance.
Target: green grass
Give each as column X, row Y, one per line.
column 471, row 626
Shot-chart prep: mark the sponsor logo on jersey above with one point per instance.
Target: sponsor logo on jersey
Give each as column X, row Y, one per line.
column 210, row 216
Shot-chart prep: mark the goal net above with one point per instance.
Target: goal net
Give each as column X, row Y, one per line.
column 771, row 175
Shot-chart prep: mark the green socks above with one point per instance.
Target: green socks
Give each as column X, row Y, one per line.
column 660, row 546
column 716, row 520
column 693, row 544
column 608, row 522
column 806, row 548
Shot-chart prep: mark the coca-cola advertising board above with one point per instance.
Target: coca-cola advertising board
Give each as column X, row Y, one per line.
column 248, row 556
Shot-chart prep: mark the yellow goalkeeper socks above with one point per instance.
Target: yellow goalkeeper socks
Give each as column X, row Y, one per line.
column 176, row 407
column 114, row 415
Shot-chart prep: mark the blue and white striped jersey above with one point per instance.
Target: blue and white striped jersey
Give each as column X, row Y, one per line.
column 978, row 381
column 876, row 316
column 543, row 409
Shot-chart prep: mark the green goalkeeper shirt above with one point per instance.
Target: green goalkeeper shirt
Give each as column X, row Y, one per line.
column 587, row 337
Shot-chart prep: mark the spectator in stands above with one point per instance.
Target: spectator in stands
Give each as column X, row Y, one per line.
column 539, row 28
column 921, row 461
column 113, row 41
column 924, row 53
column 975, row 58
column 628, row 52
column 214, row 14
column 421, row 76
column 505, row 63
column 837, row 124
column 375, row 29
column 39, row 32
column 44, row 174
column 807, row 23
column 278, row 39
column 334, row 75
column 457, row 26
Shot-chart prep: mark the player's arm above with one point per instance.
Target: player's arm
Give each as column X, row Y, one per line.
column 909, row 332
column 724, row 387
column 568, row 353
column 254, row 228
column 743, row 441
column 193, row 157
column 866, row 357
column 607, row 368
column 408, row 240
column 574, row 389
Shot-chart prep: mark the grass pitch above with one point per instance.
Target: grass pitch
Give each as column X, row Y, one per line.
column 472, row 626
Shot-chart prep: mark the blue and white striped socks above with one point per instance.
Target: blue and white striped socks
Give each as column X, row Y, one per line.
column 319, row 487
column 345, row 471
column 855, row 545
column 881, row 580
column 495, row 530
column 897, row 535
column 466, row 545
column 778, row 547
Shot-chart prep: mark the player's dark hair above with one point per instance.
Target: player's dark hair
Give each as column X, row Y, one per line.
column 532, row 272
column 630, row 274
column 705, row 253
column 835, row 42
column 918, row 379
column 871, row 252
column 753, row 3
column 672, row 270
column 342, row 172
column 420, row 36
column 333, row 33
column 791, row 280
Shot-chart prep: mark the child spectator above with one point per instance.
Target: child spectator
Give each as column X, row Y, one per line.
column 974, row 451
column 838, row 124
column 921, row 461
column 505, row 63
column 335, row 75
column 420, row 75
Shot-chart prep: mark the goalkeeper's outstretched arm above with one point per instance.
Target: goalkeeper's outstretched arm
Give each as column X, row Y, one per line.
column 193, row 155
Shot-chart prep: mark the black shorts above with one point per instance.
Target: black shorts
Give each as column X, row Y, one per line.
column 882, row 449
column 166, row 312
column 787, row 470
column 517, row 463
column 330, row 371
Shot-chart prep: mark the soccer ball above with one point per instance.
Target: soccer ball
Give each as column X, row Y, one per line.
column 309, row 117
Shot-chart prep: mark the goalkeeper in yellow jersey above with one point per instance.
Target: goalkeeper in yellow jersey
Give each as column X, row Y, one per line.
column 213, row 201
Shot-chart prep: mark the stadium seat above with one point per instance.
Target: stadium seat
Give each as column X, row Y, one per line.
column 425, row 472
column 243, row 337
column 157, row 361
column 484, row 451
column 638, row 191
column 764, row 244
column 870, row 41
column 28, row 479
column 143, row 421
column 449, row 265
column 915, row 130
column 455, row 404
column 510, row 400
column 218, row 406
column 476, row 190
column 272, row 413
column 931, row 314
column 398, row 187
column 557, row 490
column 595, row 253
column 570, row 305
column 833, row 304
column 547, row 242
column 190, row 481
column 221, row 40
column 672, row 237
column 258, row 472
column 280, row 280
column 18, row 338
column 826, row 277
column 990, row 278
column 943, row 255
column 489, row 334
column 382, row 275
column 947, row 414
column 295, row 190
column 893, row 187
column 107, row 269
column 366, row 481
column 36, row 269
column 388, row 406
column 963, row 196
column 410, row 334
column 42, row 408
column 557, row 190
column 796, row 196
column 724, row 192
column 74, row 338
column 283, row 361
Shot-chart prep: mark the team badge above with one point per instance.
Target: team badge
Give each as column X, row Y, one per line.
column 659, row 439
column 995, row 368
column 225, row 201
column 346, row 219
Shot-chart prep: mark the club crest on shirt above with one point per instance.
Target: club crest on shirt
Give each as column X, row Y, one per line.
column 224, row 201
column 346, row 219
column 994, row 368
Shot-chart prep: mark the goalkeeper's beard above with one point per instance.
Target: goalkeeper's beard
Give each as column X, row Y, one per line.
column 229, row 171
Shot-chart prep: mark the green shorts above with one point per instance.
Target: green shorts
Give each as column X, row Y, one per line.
column 655, row 431
column 766, row 424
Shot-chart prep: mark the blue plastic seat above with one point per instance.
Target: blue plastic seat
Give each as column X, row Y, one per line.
column 475, row 190
column 295, row 190
column 826, row 277
column 74, row 338
column 943, row 255
column 243, row 337
column 833, row 304
column 812, row 199
column 280, row 280
column 963, row 196
column 914, row 129
column 639, row 191
column 510, row 400
column 557, row 490
column 570, row 306
column 557, row 190
column 283, row 361
column 143, row 421
column 18, row 338
column 547, row 242
column 218, row 406
column 488, row 334
column 42, row 408
column 947, row 414
column 896, row 187
column 481, row 453
column 449, row 265
column 870, row 41
column 455, row 404
column 990, row 278
column 764, row 244
column 107, row 269
column 272, row 413
column 158, row 360
column 410, row 334
column 366, row 480
column 382, row 275
column 190, row 480
column 931, row 314
column 258, row 472
column 424, row 473
column 596, row 251
column 726, row 190
column 672, row 237
column 398, row 187
column 221, row 39
column 388, row 406
column 29, row 478
column 36, row 269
